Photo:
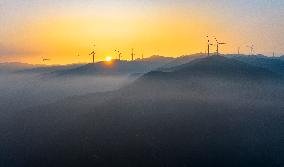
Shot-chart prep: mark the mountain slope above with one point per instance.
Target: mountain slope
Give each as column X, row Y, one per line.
column 218, row 66
column 181, row 60
column 272, row 64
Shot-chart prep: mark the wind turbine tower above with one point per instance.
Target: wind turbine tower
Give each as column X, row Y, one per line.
column 119, row 56
column 218, row 43
column 208, row 46
column 132, row 54
column 239, row 50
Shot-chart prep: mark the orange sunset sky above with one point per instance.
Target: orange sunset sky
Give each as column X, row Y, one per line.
column 60, row 30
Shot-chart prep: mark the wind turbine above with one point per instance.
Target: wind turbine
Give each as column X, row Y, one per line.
column 251, row 47
column 45, row 59
column 208, row 45
column 218, row 43
column 132, row 54
column 93, row 53
column 119, row 54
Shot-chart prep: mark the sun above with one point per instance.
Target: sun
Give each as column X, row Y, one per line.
column 108, row 59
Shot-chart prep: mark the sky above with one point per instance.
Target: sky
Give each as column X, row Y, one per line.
column 61, row 30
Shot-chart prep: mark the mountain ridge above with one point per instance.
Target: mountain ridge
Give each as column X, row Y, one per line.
column 219, row 66
column 158, row 120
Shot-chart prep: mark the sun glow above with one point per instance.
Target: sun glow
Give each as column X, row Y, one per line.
column 108, row 59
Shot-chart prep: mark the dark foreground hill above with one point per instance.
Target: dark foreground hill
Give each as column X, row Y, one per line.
column 210, row 112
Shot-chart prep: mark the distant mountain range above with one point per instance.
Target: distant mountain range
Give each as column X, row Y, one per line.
column 13, row 67
column 211, row 111
column 31, row 68
column 49, row 69
column 139, row 66
column 115, row 67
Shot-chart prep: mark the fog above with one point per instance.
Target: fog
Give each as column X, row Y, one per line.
column 213, row 111
column 155, row 120
column 20, row 90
